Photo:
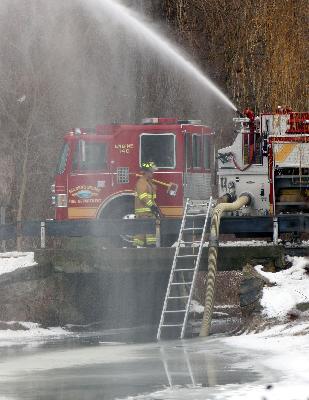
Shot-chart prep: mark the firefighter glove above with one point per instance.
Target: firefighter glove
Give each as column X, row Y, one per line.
column 156, row 211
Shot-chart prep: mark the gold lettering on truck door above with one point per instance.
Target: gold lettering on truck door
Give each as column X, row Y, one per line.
column 124, row 148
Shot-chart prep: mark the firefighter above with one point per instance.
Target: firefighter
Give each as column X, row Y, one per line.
column 145, row 205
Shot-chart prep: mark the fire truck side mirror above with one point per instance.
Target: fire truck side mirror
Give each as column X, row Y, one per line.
column 83, row 150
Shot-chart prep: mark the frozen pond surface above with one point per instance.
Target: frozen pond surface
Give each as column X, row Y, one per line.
column 106, row 368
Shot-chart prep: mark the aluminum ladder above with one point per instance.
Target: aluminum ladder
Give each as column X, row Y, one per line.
column 184, row 276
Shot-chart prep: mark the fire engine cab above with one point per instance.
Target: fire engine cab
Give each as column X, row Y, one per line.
column 98, row 168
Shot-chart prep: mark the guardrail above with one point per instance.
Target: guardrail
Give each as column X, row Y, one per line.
column 262, row 225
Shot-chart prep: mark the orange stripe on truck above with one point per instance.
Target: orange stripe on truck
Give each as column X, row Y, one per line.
column 172, row 211
column 82, row 212
column 284, row 151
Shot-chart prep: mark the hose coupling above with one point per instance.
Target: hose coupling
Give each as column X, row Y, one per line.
column 249, row 195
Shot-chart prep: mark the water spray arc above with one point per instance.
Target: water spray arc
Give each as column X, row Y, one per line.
column 133, row 20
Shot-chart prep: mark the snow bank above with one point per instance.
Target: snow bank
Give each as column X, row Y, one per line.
column 286, row 391
column 282, row 351
column 233, row 243
column 245, row 243
column 283, row 391
column 9, row 262
column 33, row 334
column 292, row 287
column 196, row 307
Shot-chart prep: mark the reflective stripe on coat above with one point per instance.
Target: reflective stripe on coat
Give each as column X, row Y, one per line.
column 145, row 195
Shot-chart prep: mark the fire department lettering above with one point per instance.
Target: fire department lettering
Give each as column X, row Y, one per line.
column 89, row 201
column 124, row 148
column 85, row 191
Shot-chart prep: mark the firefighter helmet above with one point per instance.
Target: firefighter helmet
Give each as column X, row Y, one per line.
column 149, row 166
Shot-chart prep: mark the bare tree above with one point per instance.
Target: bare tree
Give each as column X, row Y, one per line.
column 21, row 110
column 255, row 49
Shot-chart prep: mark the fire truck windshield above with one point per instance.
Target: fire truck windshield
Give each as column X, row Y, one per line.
column 159, row 148
column 89, row 156
column 63, row 159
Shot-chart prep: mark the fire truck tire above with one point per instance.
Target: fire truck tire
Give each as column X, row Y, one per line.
column 118, row 208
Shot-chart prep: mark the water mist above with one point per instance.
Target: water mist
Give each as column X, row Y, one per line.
column 134, row 22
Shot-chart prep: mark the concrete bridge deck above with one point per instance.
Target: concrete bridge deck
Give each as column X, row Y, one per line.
column 95, row 259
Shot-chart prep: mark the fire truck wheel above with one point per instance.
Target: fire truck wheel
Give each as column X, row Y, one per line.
column 118, row 208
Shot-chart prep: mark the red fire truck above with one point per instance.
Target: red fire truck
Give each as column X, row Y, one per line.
column 98, row 169
column 269, row 158
column 288, row 161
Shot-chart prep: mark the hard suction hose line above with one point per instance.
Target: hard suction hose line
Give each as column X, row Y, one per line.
column 242, row 200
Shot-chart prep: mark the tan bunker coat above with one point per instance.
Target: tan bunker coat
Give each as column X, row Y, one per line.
column 145, row 196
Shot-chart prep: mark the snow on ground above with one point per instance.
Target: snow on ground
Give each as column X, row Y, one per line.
column 292, row 287
column 244, row 243
column 286, row 391
column 9, row 262
column 33, row 334
column 196, row 307
column 282, row 351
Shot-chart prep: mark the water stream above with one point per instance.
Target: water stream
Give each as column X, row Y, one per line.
column 163, row 47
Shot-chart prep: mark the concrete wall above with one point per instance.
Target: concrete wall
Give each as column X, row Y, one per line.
column 96, row 259
column 51, row 296
column 118, row 287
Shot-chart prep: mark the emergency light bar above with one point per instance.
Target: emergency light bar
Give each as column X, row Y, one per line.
column 189, row 121
column 159, row 121
column 81, row 131
column 170, row 121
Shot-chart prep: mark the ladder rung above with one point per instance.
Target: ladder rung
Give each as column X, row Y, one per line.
column 175, row 311
column 165, row 325
column 184, row 269
column 181, row 283
column 193, row 229
column 178, row 297
column 195, row 205
column 187, row 255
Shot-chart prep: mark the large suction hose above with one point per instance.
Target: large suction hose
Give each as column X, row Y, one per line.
column 242, row 200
